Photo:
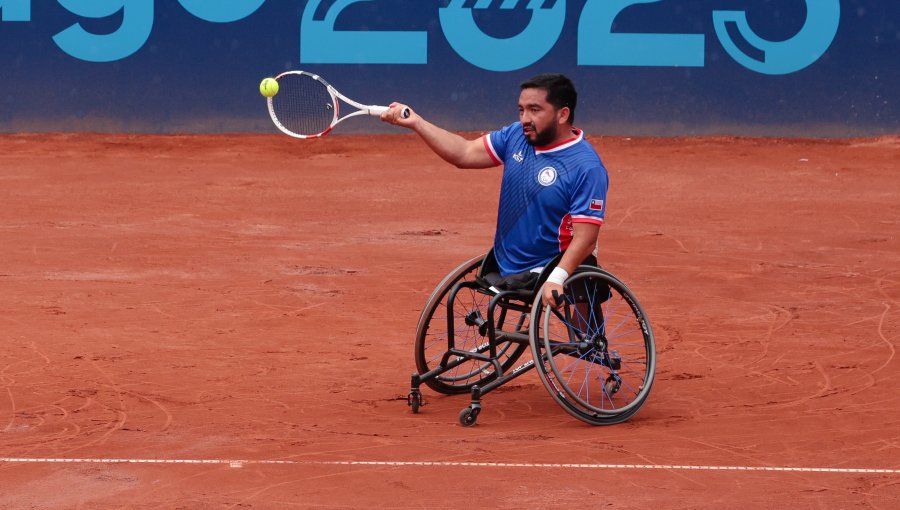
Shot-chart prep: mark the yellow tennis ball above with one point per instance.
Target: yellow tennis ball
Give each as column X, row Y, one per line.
column 268, row 87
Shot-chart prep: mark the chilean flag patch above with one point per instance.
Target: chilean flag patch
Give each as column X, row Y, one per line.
column 596, row 205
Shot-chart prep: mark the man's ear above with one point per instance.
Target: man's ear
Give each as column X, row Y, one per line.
column 563, row 115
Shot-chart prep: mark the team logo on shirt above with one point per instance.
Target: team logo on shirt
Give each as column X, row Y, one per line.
column 547, row 176
column 519, row 157
column 596, row 205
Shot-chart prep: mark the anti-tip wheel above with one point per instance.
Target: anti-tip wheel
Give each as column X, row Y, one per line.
column 612, row 385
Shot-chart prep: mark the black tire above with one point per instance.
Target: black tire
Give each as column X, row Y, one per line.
column 595, row 354
column 468, row 416
column 415, row 401
column 432, row 340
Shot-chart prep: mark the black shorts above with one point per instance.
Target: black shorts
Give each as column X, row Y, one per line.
column 526, row 280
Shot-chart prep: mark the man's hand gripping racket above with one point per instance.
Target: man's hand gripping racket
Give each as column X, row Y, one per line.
column 306, row 106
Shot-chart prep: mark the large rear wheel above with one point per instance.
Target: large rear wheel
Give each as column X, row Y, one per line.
column 470, row 334
column 595, row 353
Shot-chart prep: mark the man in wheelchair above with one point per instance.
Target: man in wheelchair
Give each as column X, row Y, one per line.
column 540, row 286
column 553, row 193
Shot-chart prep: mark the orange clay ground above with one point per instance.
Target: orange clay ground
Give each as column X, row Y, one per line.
column 184, row 298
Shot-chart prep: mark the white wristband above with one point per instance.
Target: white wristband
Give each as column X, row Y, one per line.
column 558, row 275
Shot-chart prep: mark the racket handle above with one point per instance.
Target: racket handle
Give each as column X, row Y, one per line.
column 376, row 111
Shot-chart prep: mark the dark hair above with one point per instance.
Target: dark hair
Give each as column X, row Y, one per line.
column 560, row 91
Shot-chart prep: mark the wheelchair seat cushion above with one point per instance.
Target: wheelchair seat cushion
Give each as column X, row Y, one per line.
column 525, row 280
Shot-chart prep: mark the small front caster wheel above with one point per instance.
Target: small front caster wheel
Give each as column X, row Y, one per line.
column 468, row 416
column 414, row 401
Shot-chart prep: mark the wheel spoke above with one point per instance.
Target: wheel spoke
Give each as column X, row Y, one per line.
column 602, row 372
column 433, row 340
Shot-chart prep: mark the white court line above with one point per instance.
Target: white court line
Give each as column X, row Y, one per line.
column 240, row 463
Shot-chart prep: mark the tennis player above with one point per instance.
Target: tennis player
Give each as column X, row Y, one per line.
column 553, row 193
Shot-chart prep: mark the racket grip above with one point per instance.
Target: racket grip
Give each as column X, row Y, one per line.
column 376, row 111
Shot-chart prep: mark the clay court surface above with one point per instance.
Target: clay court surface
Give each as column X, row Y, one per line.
column 250, row 302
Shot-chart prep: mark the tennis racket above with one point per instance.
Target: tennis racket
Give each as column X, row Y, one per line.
column 307, row 106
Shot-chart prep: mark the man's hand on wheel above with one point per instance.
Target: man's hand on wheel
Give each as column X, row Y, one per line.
column 549, row 298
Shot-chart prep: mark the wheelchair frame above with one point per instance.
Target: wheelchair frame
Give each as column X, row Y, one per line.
column 479, row 350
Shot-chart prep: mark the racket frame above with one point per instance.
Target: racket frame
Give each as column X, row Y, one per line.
column 336, row 98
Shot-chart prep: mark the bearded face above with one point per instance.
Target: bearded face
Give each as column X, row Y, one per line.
column 540, row 119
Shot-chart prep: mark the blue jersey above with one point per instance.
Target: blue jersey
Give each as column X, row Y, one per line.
column 544, row 191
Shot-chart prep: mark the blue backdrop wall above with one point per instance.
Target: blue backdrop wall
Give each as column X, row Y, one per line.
column 665, row 67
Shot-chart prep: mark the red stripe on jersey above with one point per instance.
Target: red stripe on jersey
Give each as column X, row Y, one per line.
column 564, row 234
column 490, row 150
column 587, row 219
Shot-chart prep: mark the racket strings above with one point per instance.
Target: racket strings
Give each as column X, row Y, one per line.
column 303, row 105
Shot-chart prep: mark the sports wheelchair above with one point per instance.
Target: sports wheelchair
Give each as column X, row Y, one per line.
column 595, row 353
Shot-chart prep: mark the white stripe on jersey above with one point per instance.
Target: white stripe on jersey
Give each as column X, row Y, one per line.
column 592, row 219
column 562, row 146
column 493, row 151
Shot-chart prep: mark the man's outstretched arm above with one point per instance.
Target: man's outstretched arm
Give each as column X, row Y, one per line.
column 451, row 147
